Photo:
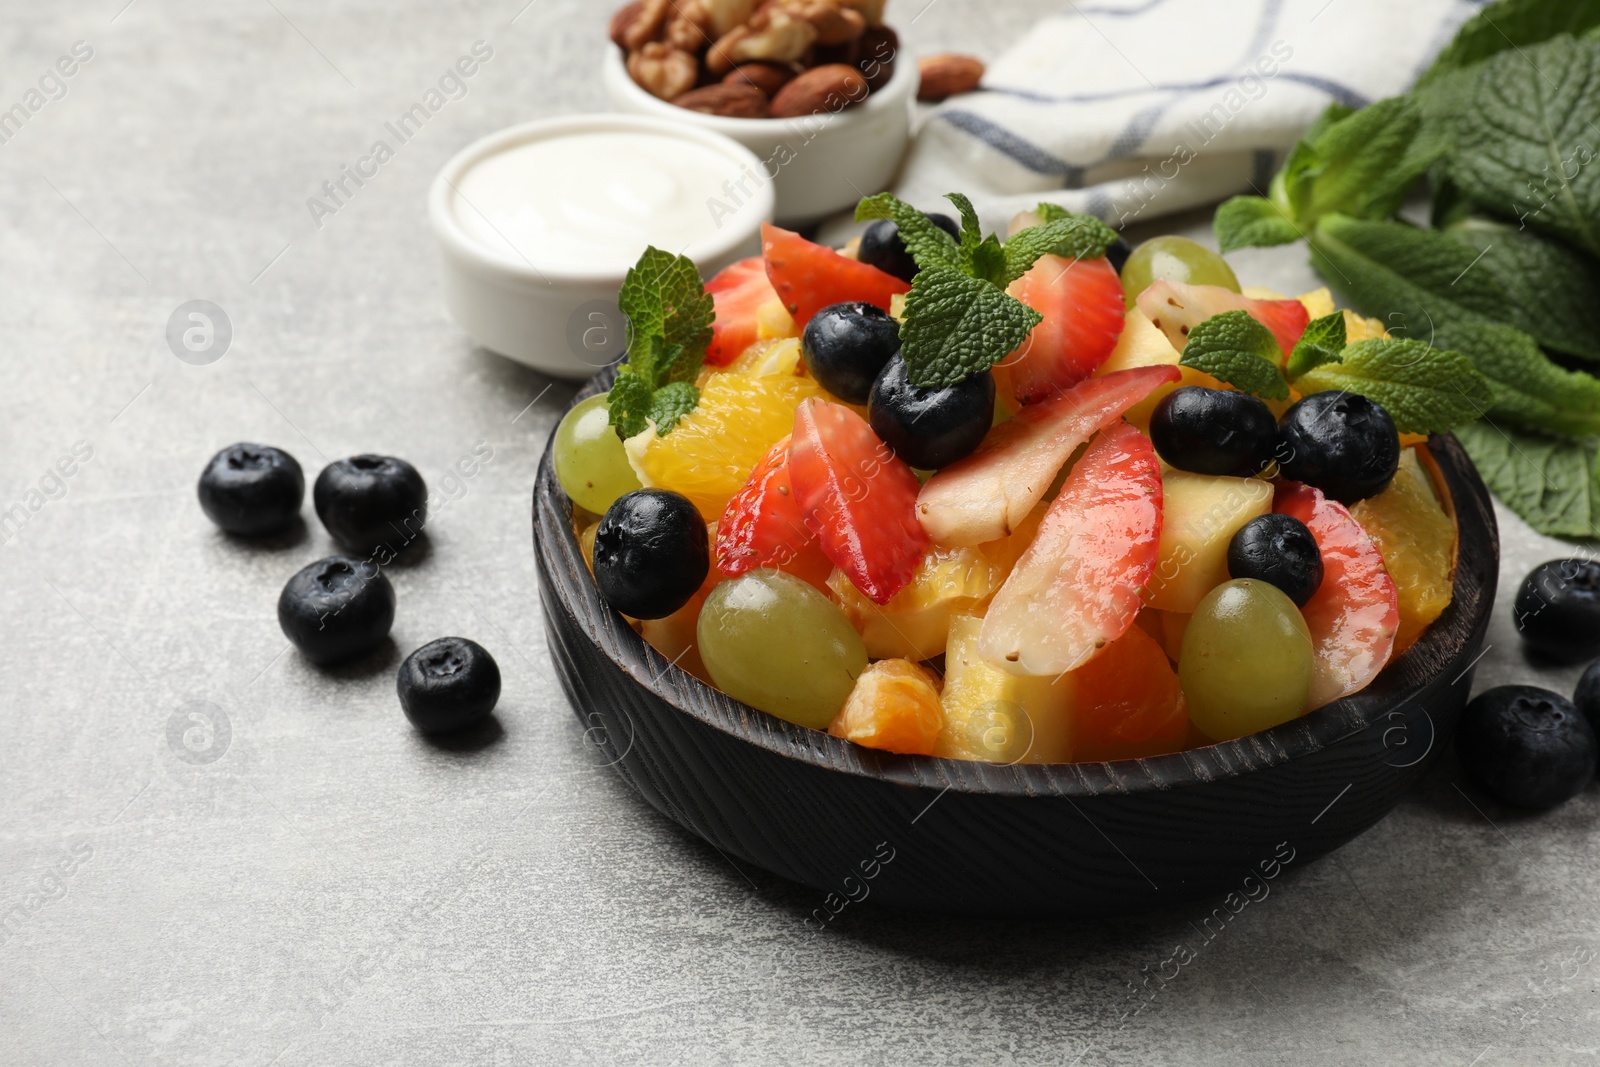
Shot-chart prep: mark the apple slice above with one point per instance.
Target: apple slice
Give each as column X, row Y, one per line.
column 1355, row 613
column 984, row 497
column 1077, row 587
column 1177, row 308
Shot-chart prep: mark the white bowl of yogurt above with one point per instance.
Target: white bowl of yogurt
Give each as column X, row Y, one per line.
column 539, row 223
column 819, row 164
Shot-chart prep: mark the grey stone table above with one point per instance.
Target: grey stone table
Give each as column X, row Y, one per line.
column 212, row 853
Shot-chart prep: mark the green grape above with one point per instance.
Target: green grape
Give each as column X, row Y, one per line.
column 774, row 642
column 1177, row 259
column 1246, row 660
column 590, row 462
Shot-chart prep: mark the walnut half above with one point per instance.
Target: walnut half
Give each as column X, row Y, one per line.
column 774, row 35
column 664, row 71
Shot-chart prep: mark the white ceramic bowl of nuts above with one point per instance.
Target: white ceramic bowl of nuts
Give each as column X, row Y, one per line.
column 818, row 89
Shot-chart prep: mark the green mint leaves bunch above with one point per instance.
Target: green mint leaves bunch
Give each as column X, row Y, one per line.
column 959, row 319
column 1424, row 389
column 669, row 326
column 1503, row 125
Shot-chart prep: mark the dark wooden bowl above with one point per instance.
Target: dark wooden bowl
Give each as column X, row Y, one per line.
column 979, row 838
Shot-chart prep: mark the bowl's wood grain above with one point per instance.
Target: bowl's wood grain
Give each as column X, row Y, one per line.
column 1080, row 839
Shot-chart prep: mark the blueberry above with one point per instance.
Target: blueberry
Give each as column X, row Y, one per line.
column 1557, row 610
column 1214, row 431
column 252, row 489
column 1526, row 746
column 1279, row 550
column 930, row 428
column 1342, row 443
column 651, row 553
column 448, row 684
column 368, row 502
column 882, row 247
column 1118, row 252
column 846, row 347
column 1587, row 697
column 336, row 609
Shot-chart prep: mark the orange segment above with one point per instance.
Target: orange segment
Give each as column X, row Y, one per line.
column 1417, row 539
column 675, row 636
column 894, row 707
column 709, row 455
column 1126, row 702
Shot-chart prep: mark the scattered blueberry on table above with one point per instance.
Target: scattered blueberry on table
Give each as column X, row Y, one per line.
column 252, row 490
column 368, row 502
column 337, row 609
column 448, row 685
column 1557, row 610
column 1526, row 746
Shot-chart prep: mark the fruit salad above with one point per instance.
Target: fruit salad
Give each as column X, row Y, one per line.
column 1035, row 498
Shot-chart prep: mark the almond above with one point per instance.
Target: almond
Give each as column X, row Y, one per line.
column 820, row 90
column 948, row 75
column 768, row 77
column 735, row 101
column 880, row 46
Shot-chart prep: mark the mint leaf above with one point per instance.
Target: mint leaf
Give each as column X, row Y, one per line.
column 629, row 404
column 1511, row 24
column 1239, row 350
column 1525, row 144
column 928, row 244
column 1252, row 222
column 1064, row 234
column 1544, row 288
column 971, row 230
column 1529, row 390
column 1322, row 343
column 669, row 325
column 1551, row 482
column 1425, row 390
column 989, row 262
column 1359, row 163
column 957, row 326
column 671, row 403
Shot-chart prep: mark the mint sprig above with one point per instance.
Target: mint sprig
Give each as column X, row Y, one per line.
column 669, row 326
column 1235, row 348
column 1321, row 344
column 1424, row 390
column 959, row 319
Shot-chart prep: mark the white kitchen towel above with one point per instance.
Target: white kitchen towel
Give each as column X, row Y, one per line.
column 1131, row 109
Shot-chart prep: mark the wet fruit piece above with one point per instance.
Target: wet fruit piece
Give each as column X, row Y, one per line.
column 710, row 453
column 1247, row 662
column 590, row 462
column 1126, row 702
column 1081, row 301
column 1142, row 344
column 1214, row 431
column 1279, row 550
column 1355, row 613
column 763, row 525
column 1177, row 308
column 808, row 277
column 1342, row 443
column 738, row 294
column 1175, row 259
column 983, row 497
column 1526, row 746
column 994, row 715
column 931, row 428
column 650, row 553
column 772, row 641
column 1417, row 538
column 882, row 247
column 894, row 707
column 1077, row 587
column 858, row 498
column 1200, row 515
column 846, row 347
column 1557, row 610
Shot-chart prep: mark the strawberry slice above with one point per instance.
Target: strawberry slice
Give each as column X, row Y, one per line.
column 986, row 495
column 1084, row 312
column 1355, row 613
column 1179, row 308
column 738, row 292
column 809, row 277
column 1077, row 587
column 858, row 497
column 763, row 526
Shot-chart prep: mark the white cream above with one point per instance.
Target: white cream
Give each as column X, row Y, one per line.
column 595, row 200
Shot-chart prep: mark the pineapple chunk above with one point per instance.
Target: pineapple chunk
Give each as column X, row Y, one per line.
column 991, row 714
column 1201, row 514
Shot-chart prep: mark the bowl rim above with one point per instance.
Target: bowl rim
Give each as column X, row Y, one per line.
column 463, row 247
column 895, row 93
column 1403, row 679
